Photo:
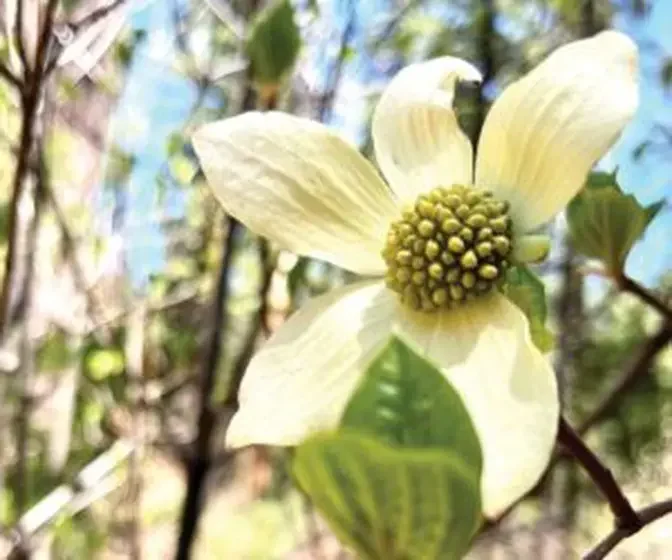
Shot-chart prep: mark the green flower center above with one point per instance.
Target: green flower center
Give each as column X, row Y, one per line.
column 451, row 246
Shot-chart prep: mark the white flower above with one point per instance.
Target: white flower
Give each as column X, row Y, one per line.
column 299, row 184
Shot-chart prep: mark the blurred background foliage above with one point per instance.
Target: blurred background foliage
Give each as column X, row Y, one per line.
column 131, row 304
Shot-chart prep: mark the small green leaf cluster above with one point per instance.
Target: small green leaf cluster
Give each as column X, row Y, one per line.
column 605, row 223
column 400, row 478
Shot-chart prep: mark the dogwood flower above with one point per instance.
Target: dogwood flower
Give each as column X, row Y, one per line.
column 433, row 243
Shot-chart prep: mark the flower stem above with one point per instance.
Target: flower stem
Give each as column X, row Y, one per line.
column 626, row 517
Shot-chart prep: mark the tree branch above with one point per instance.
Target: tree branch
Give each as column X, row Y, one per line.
column 200, row 459
column 640, row 367
column 7, row 74
column 626, row 517
column 629, row 285
column 95, row 16
column 20, row 44
column 646, row 516
column 30, row 102
column 326, row 102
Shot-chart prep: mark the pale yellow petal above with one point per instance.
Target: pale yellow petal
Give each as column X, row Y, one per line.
column 545, row 132
column 508, row 387
column 296, row 182
column 416, row 136
column 301, row 380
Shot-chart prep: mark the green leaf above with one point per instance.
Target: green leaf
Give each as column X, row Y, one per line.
column 666, row 73
column 405, row 401
column 105, row 363
column 527, row 291
column 604, row 222
column 55, row 352
column 273, row 44
column 387, row 502
column 182, row 168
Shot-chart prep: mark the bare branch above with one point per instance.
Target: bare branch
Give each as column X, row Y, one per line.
column 7, row 74
column 199, row 461
column 646, row 516
column 30, row 103
column 335, row 72
column 95, row 16
column 629, row 285
column 20, row 43
column 625, row 515
column 639, row 367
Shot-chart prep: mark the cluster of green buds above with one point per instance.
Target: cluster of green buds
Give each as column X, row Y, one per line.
column 451, row 246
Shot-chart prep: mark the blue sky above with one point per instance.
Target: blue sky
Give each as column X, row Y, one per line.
column 156, row 101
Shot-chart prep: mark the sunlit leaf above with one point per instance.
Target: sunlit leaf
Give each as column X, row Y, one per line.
column 182, row 168
column 104, row 363
column 604, row 222
column 273, row 44
column 405, row 401
column 390, row 502
column 527, row 291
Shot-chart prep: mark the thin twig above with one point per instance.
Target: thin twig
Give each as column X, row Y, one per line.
column 486, row 23
column 20, row 43
column 393, row 22
column 30, row 102
column 335, row 72
column 645, row 515
column 231, row 404
column 7, row 74
column 640, row 367
column 627, row 284
column 95, row 16
column 82, row 24
column 200, row 459
column 625, row 515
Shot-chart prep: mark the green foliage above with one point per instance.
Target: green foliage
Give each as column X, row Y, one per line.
column 120, row 165
column 390, row 502
column 604, row 222
column 273, row 44
column 526, row 290
column 405, row 401
column 633, row 429
column 666, row 73
column 77, row 537
column 401, row 478
column 104, row 363
column 126, row 47
column 54, row 352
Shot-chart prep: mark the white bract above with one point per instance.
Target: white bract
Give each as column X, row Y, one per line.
column 299, row 184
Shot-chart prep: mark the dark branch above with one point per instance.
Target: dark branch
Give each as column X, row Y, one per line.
column 327, row 98
column 486, row 54
column 640, row 367
column 646, row 516
column 95, row 16
column 7, row 74
column 629, row 285
column 625, row 515
column 199, row 462
column 30, row 102
column 258, row 324
column 20, row 43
